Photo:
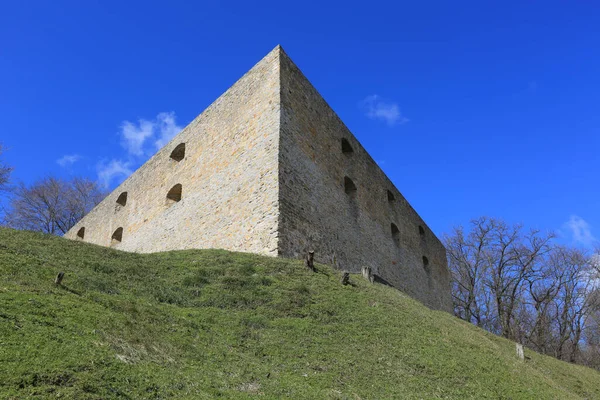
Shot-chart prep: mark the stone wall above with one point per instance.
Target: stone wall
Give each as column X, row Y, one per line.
column 354, row 229
column 229, row 179
column 265, row 172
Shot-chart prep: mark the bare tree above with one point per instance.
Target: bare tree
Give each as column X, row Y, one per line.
column 571, row 301
column 537, row 320
column 561, row 299
column 518, row 284
column 52, row 205
column 5, row 171
column 490, row 266
column 468, row 264
column 514, row 258
column 590, row 353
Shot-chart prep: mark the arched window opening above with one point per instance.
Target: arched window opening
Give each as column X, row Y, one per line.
column 346, row 148
column 349, row 187
column 122, row 199
column 391, row 196
column 117, row 236
column 81, row 233
column 174, row 194
column 426, row 264
column 421, row 231
column 178, row 152
column 395, row 234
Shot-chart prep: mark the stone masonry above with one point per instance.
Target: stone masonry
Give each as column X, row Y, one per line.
column 269, row 168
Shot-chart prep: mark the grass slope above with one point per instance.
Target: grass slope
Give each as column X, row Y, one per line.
column 206, row 324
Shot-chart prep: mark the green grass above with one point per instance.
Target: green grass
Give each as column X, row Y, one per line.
column 207, row 324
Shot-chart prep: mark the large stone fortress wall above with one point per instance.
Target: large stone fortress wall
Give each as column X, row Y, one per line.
column 269, row 168
column 228, row 178
column 336, row 200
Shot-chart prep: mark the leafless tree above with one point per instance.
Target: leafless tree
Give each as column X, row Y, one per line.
column 515, row 257
column 52, row 205
column 5, row 171
column 562, row 299
column 537, row 320
column 490, row 266
column 520, row 285
column 572, row 301
column 590, row 352
column 468, row 263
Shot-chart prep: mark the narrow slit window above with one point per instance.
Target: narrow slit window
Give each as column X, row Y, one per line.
column 174, row 194
column 117, row 236
column 391, row 197
column 349, row 187
column 395, row 233
column 81, row 233
column 426, row 264
column 122, row 199
column 421, row 231
column 346, row 147
column 178, row 152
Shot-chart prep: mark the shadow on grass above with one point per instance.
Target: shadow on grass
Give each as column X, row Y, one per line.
column 63, row 287
column 379, row 279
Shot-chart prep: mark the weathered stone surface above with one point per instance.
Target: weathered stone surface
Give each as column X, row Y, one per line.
column 520, row 353
column 228, row 177
column 270, row 168
column 354, row 229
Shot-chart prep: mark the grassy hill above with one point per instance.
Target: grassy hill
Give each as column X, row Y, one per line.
column 206, row 324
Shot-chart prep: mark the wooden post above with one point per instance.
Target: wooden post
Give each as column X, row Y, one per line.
column 59, row 278
column 310, row 261
column 520, row 353
column 345, row 277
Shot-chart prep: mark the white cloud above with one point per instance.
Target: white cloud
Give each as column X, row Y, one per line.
column 580, row 231
column 134, row 136
column 108, row 171
column 377, row 108
column 68, row 160
column 167, row 128
column 140, row 140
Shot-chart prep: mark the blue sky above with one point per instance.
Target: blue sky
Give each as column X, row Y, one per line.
column 471, row 108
